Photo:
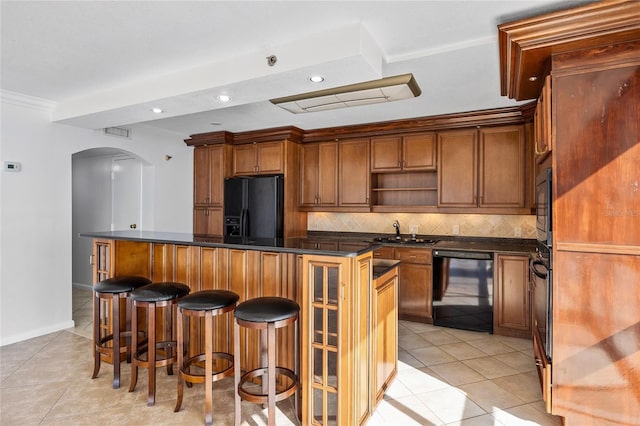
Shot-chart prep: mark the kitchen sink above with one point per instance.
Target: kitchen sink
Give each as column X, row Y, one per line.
column 404, row 240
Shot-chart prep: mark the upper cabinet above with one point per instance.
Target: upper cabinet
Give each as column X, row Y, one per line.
column 542, row 121
column 482, row 168
column 319, row 175
column 354, row 174
column 403, row 153
column 208, row 175
column 258, row 158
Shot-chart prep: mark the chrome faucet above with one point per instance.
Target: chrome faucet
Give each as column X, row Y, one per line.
column 396, row 225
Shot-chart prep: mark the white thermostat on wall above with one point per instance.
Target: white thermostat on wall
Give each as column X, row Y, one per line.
column 11, row 166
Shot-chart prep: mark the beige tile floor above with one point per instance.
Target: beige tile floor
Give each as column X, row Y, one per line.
column 445, row 377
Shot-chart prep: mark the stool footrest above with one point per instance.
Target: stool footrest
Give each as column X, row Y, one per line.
column 199, row 378
column 260, row 398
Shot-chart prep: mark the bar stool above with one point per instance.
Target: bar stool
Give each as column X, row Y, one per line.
column 203, row 304
column 113, row 290
column 265, row 314
column 150, row 297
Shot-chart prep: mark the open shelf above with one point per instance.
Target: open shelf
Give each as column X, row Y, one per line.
column 416, row 191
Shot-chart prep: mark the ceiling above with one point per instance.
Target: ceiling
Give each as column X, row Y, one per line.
column 103, row 64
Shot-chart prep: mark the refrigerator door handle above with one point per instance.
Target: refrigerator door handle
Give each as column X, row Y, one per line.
column 244, row 223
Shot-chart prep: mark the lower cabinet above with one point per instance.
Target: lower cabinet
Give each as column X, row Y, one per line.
column 384, row 320
column 207, row 221
column 512, row 305
column 414, row 284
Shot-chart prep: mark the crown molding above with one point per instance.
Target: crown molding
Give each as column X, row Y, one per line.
column 26, row 101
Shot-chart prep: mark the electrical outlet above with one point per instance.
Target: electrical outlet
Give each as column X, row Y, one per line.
column 413, row 229
column 456, row 229
column 517, row 231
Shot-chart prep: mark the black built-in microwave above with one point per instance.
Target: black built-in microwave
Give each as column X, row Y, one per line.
column 544, row 229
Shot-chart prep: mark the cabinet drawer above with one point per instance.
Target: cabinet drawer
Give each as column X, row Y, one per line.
column 383, row 253
column 412, row 255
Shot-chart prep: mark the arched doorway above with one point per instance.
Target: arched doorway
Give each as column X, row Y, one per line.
column 109, row 189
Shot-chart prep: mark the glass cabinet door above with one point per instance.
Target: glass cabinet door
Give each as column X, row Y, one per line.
column 323, row 291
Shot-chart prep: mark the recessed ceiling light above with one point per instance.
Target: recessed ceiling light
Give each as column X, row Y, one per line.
column 224, row 98
column 316, row 78
column 157, row 110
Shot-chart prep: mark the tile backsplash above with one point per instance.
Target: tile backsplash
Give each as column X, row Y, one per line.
column 468, row 225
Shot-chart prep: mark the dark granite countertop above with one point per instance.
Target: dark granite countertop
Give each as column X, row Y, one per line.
column 345, row 244
column 303, row 245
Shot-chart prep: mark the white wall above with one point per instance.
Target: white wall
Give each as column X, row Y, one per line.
column 36, row 206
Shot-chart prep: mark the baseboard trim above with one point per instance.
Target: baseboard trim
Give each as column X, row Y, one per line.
column 36, row 333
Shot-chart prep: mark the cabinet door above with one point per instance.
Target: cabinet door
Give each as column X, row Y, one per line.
column 502, row 167
column 324, row 326
column 270, row 157
column 419, row 152
column 207, row 221
column 201, row 176
column 386, row 154
column 512, row 312
column 354, row 182
column 328, row 174
column 216, row 175
column 385, row 329
column 415, row 284
column 542, row 121
column 457, row 168
column 309, row 163
column 244, row 159
column 414, row 292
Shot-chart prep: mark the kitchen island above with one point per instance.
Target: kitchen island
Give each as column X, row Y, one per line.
column 348, row 322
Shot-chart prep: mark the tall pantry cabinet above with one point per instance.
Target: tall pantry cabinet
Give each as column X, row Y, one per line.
column 592, row 54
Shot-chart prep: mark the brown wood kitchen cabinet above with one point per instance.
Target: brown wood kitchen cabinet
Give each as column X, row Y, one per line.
column 258, row 158
column 384, row 321
column 542, row 121
column 482, row 168
column 354, row 185
column 403, row 153
column 319, row 173
column 512, row 303
column 208, row 175
column 414, row 284
column 207, row 221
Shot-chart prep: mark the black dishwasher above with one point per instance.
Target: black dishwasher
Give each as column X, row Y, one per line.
column 463, row 290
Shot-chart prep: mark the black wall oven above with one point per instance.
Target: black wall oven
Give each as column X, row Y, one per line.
column 544, row 228
column 542, row 286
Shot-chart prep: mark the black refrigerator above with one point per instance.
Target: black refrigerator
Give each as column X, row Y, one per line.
column 254, row 207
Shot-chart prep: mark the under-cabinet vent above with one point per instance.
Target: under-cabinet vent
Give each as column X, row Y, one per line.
column 121, row 132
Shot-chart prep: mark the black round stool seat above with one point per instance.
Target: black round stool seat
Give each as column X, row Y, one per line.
column 122, row 284
column 207, row 300
column 160, row 292
column 114, row 344
column 266, row 309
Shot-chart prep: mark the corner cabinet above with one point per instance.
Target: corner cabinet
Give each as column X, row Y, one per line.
column 258, row 158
